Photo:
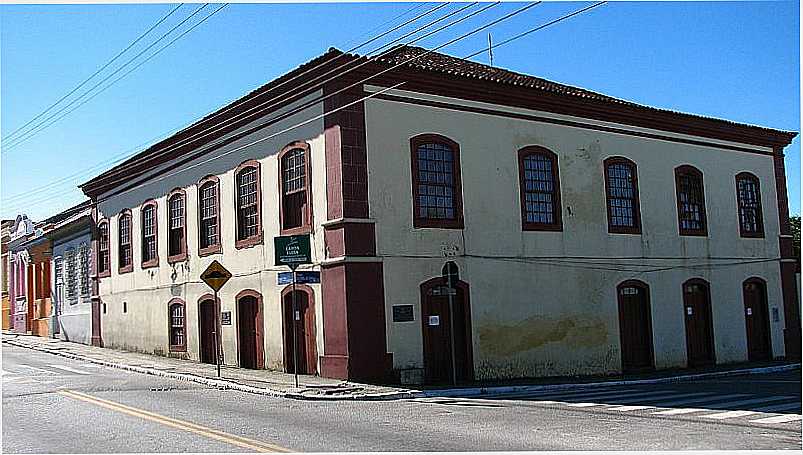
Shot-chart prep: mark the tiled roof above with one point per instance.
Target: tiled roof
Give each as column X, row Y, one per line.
column 442, row 63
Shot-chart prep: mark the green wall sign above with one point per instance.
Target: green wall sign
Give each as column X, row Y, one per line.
column 292, row 250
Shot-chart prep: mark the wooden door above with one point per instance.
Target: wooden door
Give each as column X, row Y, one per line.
column 699, row 326
column 305, row 334
column 249, row 332
column 757, row 321
column 437, row 324
column 635, row 327
column 206, row 314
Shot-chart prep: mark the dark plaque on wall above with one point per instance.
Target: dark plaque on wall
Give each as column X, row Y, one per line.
column 402, row 313
column 225, row 318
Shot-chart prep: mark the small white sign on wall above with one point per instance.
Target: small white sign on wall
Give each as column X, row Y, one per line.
column 749, row 311
column 688, row 310
column 434, row 320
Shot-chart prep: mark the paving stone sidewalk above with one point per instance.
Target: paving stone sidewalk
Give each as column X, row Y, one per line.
column 264, row 382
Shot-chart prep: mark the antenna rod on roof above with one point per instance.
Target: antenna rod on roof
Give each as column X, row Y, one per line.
column 490, row 50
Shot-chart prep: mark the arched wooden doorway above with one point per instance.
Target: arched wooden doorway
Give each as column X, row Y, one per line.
column 635, row 326
column 699, row 323
column 305, row 334
column 756, row 318
column 436, row 325
column 206, row 329
column 249, row 330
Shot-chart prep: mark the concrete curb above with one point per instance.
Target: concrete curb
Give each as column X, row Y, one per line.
column 479, row 391
column 217, row 383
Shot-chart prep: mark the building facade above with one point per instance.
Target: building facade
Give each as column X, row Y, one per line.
column 71, row 239
column 5, row 238
column 591, row 235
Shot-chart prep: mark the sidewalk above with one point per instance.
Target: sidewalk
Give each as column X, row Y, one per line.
column 275, row 383
column 263, row 382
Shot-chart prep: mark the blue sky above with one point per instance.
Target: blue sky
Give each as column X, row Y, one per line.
column 738, row 61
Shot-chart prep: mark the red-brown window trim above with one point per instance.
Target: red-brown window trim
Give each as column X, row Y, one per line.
column 155, row 261
column 182, row 255
column 693, row 171
column 636, row 229
column 215, row 247
column 254, row 239
column 306, row 225
column 130, row 266
column 107, row 272
column 176, row 347
column 557, row 224
column 760, row 233
column 419, row 222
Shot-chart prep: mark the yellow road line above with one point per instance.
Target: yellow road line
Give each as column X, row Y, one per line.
column 239, row 441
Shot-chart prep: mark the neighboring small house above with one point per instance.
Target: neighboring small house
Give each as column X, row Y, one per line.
column 5, row 238
column 71, row 267
column 23, row 265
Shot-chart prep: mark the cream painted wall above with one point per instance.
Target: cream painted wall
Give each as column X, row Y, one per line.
column 144, row 327
column 540, row 319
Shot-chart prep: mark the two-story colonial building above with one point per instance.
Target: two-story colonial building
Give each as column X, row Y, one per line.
column 591, row 234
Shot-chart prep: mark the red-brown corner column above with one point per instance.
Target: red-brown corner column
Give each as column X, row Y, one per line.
column 96, row 339
column 355, row 347
column 791, row 307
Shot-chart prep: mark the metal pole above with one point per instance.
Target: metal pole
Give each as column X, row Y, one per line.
column 218, row 340
column 295, row 331
column 450, row 290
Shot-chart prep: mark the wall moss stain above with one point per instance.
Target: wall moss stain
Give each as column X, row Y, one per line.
column 499, row 339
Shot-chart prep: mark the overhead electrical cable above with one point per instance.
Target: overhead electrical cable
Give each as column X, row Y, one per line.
column 324, row 97
column 209, row 115
column 36, row 129
column 139, row 38
column 268, row 105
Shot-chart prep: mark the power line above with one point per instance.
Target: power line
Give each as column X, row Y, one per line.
column 38, row 128
column 235, row 105
column 532, row 30
column 324, row 97
column 10, row 135
column 271, row 103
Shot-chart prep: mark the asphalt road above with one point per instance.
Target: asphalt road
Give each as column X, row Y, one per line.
column 55, row 405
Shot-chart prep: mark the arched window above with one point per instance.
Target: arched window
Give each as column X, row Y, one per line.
column 150, row 252
column 437, row 191
column 104, row 261
column 621, row 188
column 295, row 213
column 208, row 216
column 177, row 334
column 176, row 234
column 539, row 186
column 748, row 194
column 247, row 182
column 125, row 259
column 691, row 201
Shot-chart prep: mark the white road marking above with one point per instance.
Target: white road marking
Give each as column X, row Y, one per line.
column 779, row 419
column 706, row 399
column 41, row 370
column 730, row 404
column 629, row 408
column 728, row 415
column 72, row 370
column 670, row 412
column 564, row 393
column 583, row 405
column 780, row 407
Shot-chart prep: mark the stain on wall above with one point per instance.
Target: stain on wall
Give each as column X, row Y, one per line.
column 498, row 339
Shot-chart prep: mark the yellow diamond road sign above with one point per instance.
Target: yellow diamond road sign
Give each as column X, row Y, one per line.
column 215, row 275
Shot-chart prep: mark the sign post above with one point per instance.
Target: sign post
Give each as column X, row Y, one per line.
column 215, row 276
column 451, row 276
column 292, row 251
